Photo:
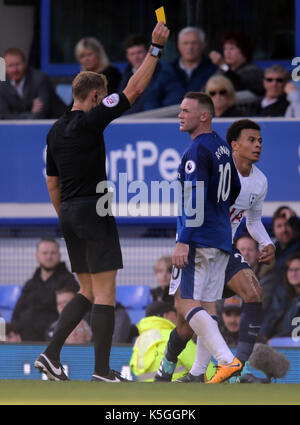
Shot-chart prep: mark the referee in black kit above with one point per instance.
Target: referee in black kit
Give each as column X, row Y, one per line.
column 75, row 165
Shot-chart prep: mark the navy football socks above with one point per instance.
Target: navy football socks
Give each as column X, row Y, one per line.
column 71, row 315
column 175, row 346
column 249, row 328
column 102, row 323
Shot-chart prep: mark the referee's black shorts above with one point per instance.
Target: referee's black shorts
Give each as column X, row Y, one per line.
column 92, row 241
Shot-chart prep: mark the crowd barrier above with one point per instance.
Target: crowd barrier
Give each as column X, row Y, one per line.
column 17, row 361
column 138, row 154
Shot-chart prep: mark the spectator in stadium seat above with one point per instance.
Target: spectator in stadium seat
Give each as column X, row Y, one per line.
column 136, row 47
column 36, row 308
column 163, row 271
column 268, row 280
column 286, row 302
column 287, row 239
column 189, row 72
column 27, row 93
column 12, row 333
column 237, row 62
column 282, row 97
column 292, row 285
column 248, row 247
column 288, row 243
column 63, row 297
column 222, row 92
column 229, row 319
column 91, row 55
column 82, row 334
column 123, row 326
column 149, row 348
column 122, row 331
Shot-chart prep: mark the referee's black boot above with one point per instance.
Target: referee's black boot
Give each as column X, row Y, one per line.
column 53, row 369
column 112, row 376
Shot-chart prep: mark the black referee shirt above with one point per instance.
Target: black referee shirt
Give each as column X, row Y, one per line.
column 76, row 150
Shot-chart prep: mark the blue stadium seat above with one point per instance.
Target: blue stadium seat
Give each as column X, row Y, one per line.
column 136, row 315
column 64, row 91
column 6, row 314
column 9, row 295
column 133, row 297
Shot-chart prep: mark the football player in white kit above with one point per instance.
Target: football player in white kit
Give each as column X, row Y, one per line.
column 245, row 139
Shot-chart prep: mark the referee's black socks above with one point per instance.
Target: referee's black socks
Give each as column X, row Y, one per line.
column 71, row 315
column 102, row 323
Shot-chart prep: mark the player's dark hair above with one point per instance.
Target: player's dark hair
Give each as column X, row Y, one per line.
column 85, row 82
column 235, row 130
column 135, row 40
column 203, row 100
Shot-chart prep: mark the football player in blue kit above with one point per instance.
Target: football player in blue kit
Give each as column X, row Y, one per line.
column 204, row 241
column 246, row 141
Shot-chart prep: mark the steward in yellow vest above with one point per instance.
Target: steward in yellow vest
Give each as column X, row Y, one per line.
column 150, row 347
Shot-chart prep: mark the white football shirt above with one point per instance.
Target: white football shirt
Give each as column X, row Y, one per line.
column 250, row 201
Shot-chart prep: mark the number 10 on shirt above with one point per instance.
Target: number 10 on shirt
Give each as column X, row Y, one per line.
column 224, row 182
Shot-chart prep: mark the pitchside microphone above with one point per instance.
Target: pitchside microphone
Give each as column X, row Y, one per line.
column 269, row 361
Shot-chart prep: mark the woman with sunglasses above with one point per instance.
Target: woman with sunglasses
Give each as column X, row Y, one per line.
column 222, row 93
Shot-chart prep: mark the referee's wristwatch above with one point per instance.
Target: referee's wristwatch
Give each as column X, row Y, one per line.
column 155, row 51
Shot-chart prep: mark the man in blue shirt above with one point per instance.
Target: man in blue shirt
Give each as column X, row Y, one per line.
column 204, row 242
column 189, row 72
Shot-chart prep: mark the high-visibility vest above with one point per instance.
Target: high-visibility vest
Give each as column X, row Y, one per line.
column 150, row 347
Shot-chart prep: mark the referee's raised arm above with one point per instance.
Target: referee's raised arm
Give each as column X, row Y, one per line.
column 140, row 80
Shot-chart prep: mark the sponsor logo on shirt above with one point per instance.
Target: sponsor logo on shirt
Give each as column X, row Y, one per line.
column 111, row 100
column 190, row 167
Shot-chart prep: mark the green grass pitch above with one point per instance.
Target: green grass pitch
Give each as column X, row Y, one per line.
column 82, row 392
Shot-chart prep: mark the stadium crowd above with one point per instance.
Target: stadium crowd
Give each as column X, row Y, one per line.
column 29, row 94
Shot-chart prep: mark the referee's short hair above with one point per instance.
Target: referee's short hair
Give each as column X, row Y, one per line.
column 203, row 99
column 85, row 82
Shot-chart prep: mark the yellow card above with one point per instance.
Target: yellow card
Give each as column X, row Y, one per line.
column 160, row 15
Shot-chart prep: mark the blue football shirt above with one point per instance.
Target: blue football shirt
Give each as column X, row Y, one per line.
column 209, row 186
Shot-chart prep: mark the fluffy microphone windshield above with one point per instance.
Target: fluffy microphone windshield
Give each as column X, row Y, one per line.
column 269, row 361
